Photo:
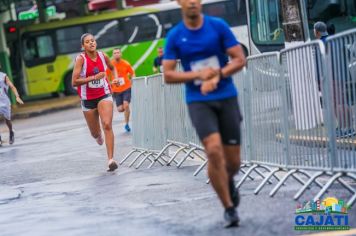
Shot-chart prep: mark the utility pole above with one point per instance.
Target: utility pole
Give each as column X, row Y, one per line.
column 41, row 7
column 292, row 13
column 119, row 4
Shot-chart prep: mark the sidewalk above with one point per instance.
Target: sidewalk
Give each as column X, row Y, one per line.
column 44, row 106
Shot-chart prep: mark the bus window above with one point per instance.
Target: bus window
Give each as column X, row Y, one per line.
column 30, row 49
column 169, row 19
column 37, row 49
column 142, row 28
column 107, row 33
column 68, row 39
column 228, row 11
column 266, row 22
column 45, row 46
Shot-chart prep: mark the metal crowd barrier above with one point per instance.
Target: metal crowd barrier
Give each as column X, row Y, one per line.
column 162, row 130
column 299, row 118
column 294, row 113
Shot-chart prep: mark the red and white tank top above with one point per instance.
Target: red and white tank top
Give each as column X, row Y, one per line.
column 97, row 88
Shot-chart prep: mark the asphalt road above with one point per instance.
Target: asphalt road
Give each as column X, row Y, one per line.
column 53, row 181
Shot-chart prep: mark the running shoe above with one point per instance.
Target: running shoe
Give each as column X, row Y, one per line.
column 231, row 218
column 100, row 140
column 127, row 128
column 234, row 193
column 12, row 137
column 112, row 165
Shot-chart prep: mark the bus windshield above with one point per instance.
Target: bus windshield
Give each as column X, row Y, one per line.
column 266, row 22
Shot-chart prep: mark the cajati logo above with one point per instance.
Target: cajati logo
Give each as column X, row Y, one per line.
column 328, row 214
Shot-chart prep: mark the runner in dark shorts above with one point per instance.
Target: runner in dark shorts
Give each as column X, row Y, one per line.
column 121, row 86
column 203, row 44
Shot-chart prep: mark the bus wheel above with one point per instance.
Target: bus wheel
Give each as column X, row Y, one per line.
column 68, row 88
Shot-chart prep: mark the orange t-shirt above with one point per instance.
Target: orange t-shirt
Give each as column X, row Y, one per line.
column 123, row 69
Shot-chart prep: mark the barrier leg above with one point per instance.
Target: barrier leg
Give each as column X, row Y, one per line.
column 238, row 185
column 262, row 175
column 127, row 156
column 307, row 185
column 327, row 185
column 244, row 172
column 346, row 185
column 161, row 161
column 280, row 183
column 309, row 176
column 353, row 198
column 298, row 179
column 144, row 159
column 175, row 155
column 201, row 167
column 186, row 156
column 161, row 153
column 137, row 157
column 259, row 188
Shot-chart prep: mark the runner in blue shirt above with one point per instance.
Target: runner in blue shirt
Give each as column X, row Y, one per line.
column 203, row 44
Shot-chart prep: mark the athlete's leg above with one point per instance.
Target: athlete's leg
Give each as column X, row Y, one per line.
column 11, row 131
column 127, row 100
column 119, row 101
column 92, row 119
column 105, row 109
column 126, row 107
column 205, row 121
column 233, row 160
column 9, row 124
column 217, row 168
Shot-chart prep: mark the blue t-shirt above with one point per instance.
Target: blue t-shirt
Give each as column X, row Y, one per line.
column 192, row 47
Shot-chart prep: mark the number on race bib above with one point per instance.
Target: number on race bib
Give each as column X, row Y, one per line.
column 121, row 81
column 96, row 84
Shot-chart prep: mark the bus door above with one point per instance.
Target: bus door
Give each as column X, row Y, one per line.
column 39, row 56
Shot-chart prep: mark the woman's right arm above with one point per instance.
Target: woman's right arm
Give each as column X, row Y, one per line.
column 76, row 79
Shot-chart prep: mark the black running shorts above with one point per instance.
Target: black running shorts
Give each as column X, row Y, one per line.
column 221, row 116
column 93, row 104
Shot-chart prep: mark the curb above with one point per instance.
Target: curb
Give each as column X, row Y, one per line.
column 43, row 111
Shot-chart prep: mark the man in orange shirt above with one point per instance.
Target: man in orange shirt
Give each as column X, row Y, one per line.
column 121, row 86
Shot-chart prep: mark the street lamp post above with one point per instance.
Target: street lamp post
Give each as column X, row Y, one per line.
column 41, row 7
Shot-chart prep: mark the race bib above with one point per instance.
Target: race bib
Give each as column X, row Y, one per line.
column 212, row 62
column 121, row 81
column 96, row 83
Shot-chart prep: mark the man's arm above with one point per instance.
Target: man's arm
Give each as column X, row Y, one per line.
column 237, row 62
column 131, row 72
column 173, row 76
